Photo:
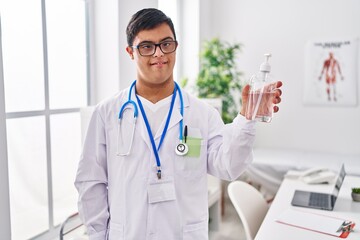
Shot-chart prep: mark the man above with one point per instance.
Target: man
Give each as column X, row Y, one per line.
column 151, row 182
column 330, row 68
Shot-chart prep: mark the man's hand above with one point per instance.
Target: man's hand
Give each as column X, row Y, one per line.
column 276, row 97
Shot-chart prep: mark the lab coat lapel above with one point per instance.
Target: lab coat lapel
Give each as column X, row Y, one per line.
column 143, row 130
column 176, row 116
column 140, row 124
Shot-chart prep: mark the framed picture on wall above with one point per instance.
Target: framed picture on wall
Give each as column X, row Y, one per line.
column 331, row 72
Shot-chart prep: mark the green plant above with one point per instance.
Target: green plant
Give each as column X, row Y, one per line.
column 218, row 76
column 356, row 190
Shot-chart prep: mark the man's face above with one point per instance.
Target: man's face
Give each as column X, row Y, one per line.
column 158, row 68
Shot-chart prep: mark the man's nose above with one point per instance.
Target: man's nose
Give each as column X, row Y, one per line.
column 158, row 52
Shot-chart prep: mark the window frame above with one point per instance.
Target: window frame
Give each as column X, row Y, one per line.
column 5, row 218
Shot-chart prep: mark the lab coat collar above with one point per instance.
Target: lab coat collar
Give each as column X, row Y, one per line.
column 174, row 120
column 177, row 101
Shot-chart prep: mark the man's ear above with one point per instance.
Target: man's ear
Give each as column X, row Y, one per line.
column 130, row 52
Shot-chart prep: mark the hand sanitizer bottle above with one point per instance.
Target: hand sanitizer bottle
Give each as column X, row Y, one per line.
column 260, row 103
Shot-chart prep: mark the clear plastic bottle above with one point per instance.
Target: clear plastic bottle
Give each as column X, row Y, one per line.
column 262, row 85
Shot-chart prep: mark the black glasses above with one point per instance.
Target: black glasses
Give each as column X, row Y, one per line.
column 149, row 49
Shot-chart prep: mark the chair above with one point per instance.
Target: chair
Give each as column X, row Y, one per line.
column 73, row 228
column 250, row 206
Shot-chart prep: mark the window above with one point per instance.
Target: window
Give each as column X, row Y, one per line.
column 45, row 79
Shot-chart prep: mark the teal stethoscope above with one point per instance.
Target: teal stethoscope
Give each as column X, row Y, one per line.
column 180, row 149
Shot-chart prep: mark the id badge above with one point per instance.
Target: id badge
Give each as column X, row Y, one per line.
column 161, row 190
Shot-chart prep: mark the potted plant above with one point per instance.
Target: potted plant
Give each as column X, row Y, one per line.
column 219, row 77
column 355, row 194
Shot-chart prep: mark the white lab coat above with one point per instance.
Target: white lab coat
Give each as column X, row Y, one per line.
column 113, row 191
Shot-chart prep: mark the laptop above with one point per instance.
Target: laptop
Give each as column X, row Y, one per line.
column 317, row 200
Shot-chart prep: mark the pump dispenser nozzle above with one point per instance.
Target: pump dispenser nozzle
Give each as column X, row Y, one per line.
column 265, row 66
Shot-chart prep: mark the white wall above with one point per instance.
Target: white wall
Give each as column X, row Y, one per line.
column 111, row 67
column 283, row 27
column 126, row 65
column 104, row 48
column 189, row 41
column 279, row 26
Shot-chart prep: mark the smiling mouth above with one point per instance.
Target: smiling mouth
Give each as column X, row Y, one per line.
column 158, row 63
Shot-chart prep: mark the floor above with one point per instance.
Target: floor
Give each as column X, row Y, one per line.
column 231, row 227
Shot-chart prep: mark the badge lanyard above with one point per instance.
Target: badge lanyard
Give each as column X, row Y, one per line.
column 156, row 150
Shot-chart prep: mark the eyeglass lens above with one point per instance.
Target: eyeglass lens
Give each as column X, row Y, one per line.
column 150, row 48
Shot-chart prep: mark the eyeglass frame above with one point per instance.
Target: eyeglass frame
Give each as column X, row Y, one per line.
column 156, row 45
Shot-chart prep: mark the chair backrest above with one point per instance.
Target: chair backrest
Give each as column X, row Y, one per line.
column 73, row 228
column 250, row 206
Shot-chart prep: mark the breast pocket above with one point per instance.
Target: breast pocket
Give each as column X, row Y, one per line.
column 193, row 164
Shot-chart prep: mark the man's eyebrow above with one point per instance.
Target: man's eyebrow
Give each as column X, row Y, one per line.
column 145, row 42
column 167, row 39
column 162, row 40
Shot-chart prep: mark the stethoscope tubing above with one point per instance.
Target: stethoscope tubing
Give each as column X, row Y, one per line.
column 121, row 112
column 135, row 109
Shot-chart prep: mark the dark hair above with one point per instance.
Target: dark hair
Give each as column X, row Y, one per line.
column 146, row 19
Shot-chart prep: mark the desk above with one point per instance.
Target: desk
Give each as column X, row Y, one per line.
column 344, row 208
column 271, row 164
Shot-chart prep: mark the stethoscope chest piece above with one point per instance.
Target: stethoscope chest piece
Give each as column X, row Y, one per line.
column 181, row 149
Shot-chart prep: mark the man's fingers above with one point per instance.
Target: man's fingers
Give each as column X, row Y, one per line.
column 246, row 90
column 278, row 92
column 276, row 108
column 277, row 100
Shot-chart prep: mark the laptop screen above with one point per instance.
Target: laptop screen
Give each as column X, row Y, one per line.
column 339, row 180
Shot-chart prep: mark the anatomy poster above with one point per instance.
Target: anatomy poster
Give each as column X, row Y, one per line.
column 331, row 73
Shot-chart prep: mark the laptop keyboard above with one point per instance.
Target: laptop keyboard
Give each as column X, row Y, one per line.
column 319, row 199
